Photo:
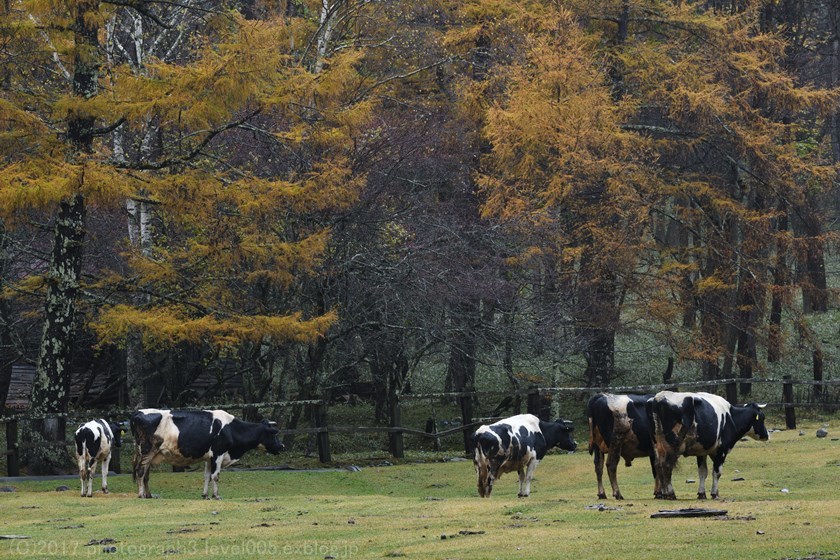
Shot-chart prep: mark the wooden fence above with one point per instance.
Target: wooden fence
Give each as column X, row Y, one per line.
column 533, row 397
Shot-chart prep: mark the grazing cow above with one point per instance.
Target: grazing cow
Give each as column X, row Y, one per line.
column 517, row 444
column 184, row 437
column 94, row 441
column 699, row 424
column 618, row 428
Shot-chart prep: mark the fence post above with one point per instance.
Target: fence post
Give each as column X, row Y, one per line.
column 732, row 393
column 466, row 402
column 13, row 457
column 787, row 399
column 395, row 438
column 323, row 436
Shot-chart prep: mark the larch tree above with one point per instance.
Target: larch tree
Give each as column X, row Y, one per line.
column 715, row 97
column 236, row 226
column 55, row 118
column 562, row 172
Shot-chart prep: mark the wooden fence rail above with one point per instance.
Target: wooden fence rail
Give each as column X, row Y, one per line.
column 533, row 396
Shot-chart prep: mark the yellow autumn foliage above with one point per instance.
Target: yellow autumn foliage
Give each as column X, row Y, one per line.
column 170, row 325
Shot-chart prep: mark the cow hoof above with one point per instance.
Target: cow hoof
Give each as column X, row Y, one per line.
column 702, row 496
column 105, row 491
column 523, row 495
column 715, row 496
column 205, row 497
column 618, row 496
column 602, row 496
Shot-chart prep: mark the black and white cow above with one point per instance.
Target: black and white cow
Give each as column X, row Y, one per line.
column 516, row 444
column 94, row 442
column 702, row 425
column 618, row 428
column 184, row 437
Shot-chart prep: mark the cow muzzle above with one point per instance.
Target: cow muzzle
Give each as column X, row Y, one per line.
column 758, row 436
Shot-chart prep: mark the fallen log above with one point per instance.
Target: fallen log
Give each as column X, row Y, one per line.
column 688, row 512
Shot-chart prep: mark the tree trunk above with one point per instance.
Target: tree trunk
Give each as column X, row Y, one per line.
column 775, row 342
column 597, row 320
column 51, row 387
column 718, row 335
column 749, row 298
column 7, row 353
column 462, row 361
column 817, row 362
column 140, row 235
column 812, row 261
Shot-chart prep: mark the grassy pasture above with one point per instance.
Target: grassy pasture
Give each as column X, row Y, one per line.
column 403, row 510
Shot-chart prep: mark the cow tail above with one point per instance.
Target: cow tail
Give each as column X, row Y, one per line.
column 591, row 422
column 80, row 445
column 135, row 462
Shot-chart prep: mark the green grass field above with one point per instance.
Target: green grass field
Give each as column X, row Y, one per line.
column 405, row 510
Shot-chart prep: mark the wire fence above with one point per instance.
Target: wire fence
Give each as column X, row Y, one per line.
column 458, row 407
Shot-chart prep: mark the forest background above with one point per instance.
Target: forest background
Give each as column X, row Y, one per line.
column 447, row 195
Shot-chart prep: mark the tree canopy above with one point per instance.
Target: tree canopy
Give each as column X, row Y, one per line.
column 310, row 192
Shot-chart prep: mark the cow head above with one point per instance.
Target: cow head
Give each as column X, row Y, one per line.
column 759, row 431
column 269, row 438
column 485, row 461
column 485, row 476
column 562, row 435
column 117, row 431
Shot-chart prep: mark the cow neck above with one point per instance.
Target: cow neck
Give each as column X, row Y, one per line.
column 551, row 433
column 742, row 419
column 246, row 436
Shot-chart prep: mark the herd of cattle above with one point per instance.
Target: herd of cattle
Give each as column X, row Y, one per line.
column 662, row 427
column 176, row 437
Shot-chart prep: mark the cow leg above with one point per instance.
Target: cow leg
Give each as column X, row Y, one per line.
column 612, row 470
column 598, row 458
column 82, row 470
column 105, row 466
column 207, row 473
column 216, row 468
column 717, row 470
column 666, row 488
column 702, row 473
column 529, row 474
column 91, row 474
column 656, row 490
column 147, row 493
column 144, row 455
column 664, row 470
column 141, row 473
